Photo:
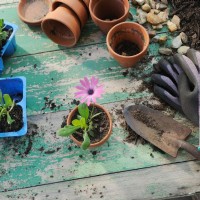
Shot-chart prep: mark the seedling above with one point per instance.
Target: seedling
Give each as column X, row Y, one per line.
column 6, row 106
column 3, row 33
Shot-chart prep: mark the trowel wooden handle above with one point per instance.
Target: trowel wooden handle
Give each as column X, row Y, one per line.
column 190, row 149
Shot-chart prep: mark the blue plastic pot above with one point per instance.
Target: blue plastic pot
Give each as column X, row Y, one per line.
column 10, row 46
column 14, row 87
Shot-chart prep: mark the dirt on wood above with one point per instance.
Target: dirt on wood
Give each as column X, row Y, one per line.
column 189, row 13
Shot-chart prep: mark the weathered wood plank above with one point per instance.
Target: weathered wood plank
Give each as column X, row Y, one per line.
column 151, row 183
column 41, row 157
column 55, row 74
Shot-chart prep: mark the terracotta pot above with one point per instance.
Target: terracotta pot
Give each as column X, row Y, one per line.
column 77, row 6
column 72, row 113
column 107, row 13
column 33, row 12
column 132, row 32
column 62, row 26
column 87, row 2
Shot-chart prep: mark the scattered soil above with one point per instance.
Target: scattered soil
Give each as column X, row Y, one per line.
column 133, row 137
column 49, row 103
column 101, row 124
column 189, row 13
column 127, row 48
column 147, row 120
column 16, row 114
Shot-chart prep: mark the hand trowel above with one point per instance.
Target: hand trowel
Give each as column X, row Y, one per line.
column 160, row 130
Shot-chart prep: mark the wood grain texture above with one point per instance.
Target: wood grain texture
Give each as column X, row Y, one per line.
column 151, row 183
column 42, row 157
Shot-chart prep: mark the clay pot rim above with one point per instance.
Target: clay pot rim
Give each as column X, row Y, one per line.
column 50, row 18
column 112, row 21
column 108, row 37
column 33, row 23
column 81, row 20
column 106, row 137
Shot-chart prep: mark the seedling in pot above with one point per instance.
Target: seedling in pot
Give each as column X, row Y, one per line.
column 89, row 90
column 6, row 106
column 3, row 34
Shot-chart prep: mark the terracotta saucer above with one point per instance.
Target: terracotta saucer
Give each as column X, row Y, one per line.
column 32, row 12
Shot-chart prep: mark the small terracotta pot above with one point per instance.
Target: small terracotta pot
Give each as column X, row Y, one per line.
column 62, row 26
column 128, row 31
column 107, row 13
column 33, row 12
column 72, row 113
column 77, row 6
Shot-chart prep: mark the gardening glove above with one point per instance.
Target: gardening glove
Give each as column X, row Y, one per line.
column 189, row 83
column 166, row 82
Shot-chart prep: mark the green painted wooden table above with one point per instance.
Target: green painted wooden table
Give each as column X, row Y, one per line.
column 41, row 165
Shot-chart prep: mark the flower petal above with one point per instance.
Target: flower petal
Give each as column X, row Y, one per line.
column 87, row 82
column 83, row 83
column 94, row 81
column 80, row 87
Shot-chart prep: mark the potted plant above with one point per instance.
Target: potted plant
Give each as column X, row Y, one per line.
column 89, row 124
column 13, row 120
column 127, row 42
column 106, row 14
column 7, row 40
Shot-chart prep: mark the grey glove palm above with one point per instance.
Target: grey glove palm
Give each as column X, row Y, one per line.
column 189, row 83
column 179, row 86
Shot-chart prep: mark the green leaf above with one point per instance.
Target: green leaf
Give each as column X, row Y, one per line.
column 84, row 111
column 1, row 23
column 8, row 100
column 76, row 122
column 67, row 130
column 9, row 119
column 83, row 123
column 86, row 141
column 1, row 98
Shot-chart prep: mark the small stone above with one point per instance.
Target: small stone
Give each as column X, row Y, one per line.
column 155, row 19
column 176, row 42
column 146, row 7
column 140, row 2
column 162, row 39
column 171, row 26
column 159, row 38
column 183, row 49
column 155, row 39
column 163, row 16
column 165, row 51
column 152, row 4
column 158, row 27
column 155, row 11
column 161, row 6
column 134, row 2
column 176, row 20
column 165, row 2
column 152, row 33
column 141, row 16
column 184, row 37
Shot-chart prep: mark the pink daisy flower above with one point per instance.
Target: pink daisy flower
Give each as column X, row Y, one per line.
column 89, row 90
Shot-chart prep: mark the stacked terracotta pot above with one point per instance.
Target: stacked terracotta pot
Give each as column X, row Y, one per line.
column 64, row 23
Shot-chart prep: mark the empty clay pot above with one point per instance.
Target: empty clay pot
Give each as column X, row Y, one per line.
column 127, row 32
column 33, row 12
column 62, row 26
column 107, row 13
column 73, row 112
column 77, row 6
